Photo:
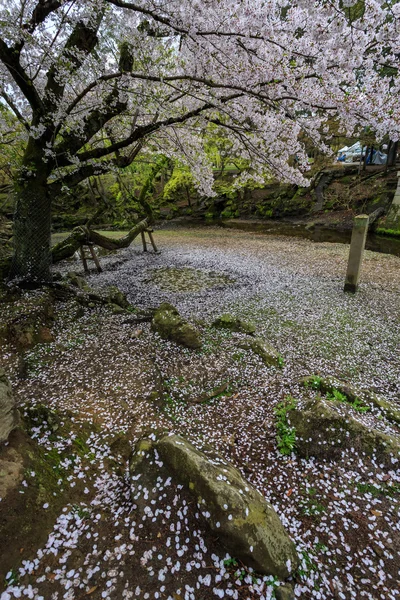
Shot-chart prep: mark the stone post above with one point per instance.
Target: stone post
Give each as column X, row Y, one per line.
column 358, row 237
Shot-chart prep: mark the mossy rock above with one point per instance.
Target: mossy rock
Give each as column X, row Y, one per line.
column 322, row 431
column 115, row 296
column 228, row 321
column 117, row 310
column 329, row 384
column 284, row 592
column 268, row 354
column 120, row 446
column 168, row 323
column 77, row 281
column 30, row 323
column 236, row 512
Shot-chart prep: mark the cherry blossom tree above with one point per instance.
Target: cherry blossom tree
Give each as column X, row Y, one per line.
column 94, row 81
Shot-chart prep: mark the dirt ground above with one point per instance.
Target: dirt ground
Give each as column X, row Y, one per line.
column 74, row 526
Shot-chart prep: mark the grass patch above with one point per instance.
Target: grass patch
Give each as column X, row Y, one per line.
column 310, row 505
column 390, row 490
column 286, row 435
column 388, row 232
column 315, row 382
column 357, row 404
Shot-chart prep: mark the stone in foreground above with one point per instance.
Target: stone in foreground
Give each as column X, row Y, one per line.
column 323, row 431
column 9, row 416
column 168, row 323
column 232, row 323
column 244, row 521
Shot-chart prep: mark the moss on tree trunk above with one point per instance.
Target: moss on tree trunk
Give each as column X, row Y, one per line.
column 31, row 259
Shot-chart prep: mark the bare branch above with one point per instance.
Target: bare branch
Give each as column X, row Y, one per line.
column 14, row 108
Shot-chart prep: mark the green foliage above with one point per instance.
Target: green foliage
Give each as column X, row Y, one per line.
column 83, row 512
column 388, row 232
column 317, row 383
column 354, row 12
column 264, row 211
column 307, row 565
column 230, row 562
column 286, row 435
column 309, row 504
column 392, row 489
column 179, row 185
column 314, row 382
column 338, row 396
column 12, row 578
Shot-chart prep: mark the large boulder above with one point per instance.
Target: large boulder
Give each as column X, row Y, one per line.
column 324, row 428
column 9, row 416
column 243, row 520
column 168, row 323
column 227, row 321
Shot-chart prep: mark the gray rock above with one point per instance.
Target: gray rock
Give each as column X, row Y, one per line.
column 264, row 350
column 323, row 431
column 329, row 384
column 78, row 281
column 9, row 416
column 117, row 310
column 284, row 592
column 244, row 521
column 227, row 321
column 168, row 323
column 11, row 471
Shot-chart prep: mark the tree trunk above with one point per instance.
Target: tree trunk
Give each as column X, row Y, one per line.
column 391, row 159
column 31, row 259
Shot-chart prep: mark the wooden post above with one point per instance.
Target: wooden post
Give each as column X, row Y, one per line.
column 144, row 242
column 152, row 241
column 95, row 259
column 83, row 257
column 358, row 237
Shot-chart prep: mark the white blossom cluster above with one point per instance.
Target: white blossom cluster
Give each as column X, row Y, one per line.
column 270, row 73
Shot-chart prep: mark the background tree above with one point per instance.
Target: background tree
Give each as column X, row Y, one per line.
column 95, row 81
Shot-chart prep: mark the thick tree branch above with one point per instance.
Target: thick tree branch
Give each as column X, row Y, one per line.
column 140, row 132
column 10, row 59
column 40, row 13
column 93, row 123
column 83, row 235
column 79, row 45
